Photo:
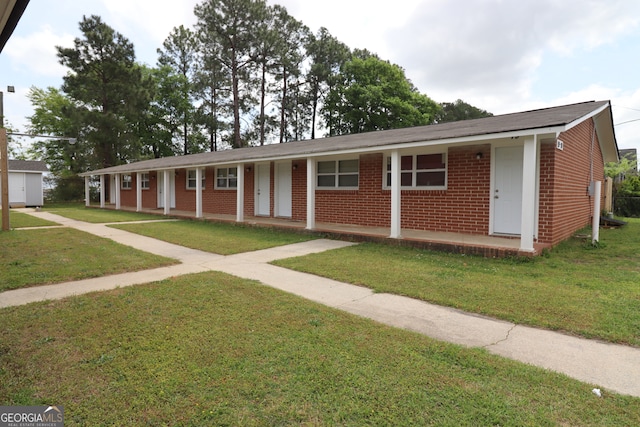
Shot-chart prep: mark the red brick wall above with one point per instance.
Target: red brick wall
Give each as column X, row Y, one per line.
column 565, row 203
column 547, row 182
column 464, row 205
column 213, row 200
column 436, row 210
column 225, row 201
column 128, row 196
column 149, row 197
column 299, row 190
column 369, row 205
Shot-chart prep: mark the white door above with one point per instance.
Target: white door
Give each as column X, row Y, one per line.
column 283, row 190
column 17, row 192
column 33, row 183
column 507, row 197
column 263, row 190
column 172, row 184
column 112, row 190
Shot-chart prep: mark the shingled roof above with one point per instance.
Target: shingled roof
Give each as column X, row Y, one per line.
column 27, row 166
column 529, row 122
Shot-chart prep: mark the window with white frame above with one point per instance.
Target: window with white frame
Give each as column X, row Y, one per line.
column 338, row 174
column 144, row 181
column 421, row 171
column 191, row 179
column 227, row 178
column 125, row 181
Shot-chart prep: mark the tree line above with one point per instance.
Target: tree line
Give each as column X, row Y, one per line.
column 247, row 74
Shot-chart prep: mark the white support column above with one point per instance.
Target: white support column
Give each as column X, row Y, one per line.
column 102, row 195
column 87, row 192
column 240, row 195
column 311, row 194
column 167, row 191
column 528, row 220
column 396, row 197
column 199, row 193
column 138, row 191
column 117, row 184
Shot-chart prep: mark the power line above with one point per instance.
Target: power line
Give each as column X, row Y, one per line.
column 628, row 108
column 628, row 121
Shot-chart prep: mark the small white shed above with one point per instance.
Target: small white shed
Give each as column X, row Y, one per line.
column 26, row 183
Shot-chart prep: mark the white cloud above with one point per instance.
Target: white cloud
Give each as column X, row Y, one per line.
column 589, row 24
column 489, row 51
column 36, row 52
column 359, row 24
column 154, row 18
column 148, row 22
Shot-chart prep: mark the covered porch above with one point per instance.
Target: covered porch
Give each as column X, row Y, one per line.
column 470, row 244
column 518, row 242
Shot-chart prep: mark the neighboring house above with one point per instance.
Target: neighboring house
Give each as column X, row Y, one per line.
column 525, row 176
column 25, row 183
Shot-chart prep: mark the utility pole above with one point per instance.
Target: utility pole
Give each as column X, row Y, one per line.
column 4, row 164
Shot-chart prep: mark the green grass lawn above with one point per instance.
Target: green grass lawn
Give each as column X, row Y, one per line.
column 43, row 256
column 219, row 238
column 592, row 292
column 22, row 220
column 94, row 215
column 231, row 352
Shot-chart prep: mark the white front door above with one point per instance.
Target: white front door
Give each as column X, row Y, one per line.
column 507, row 192
column 283, row 190
column 263, row 190
column 112, row 189
column 172, row 184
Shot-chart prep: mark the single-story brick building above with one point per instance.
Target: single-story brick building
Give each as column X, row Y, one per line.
column 527, row 176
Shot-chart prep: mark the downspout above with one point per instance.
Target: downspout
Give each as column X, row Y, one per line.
column 593, row 141
column 595, row 190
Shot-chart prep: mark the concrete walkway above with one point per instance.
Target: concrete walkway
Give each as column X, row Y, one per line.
column 609, row 366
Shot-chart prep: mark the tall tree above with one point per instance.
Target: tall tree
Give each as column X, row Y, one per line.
column 459, row 110
column 373, row 94
column 327, row 56
column 211, row 87
column 288, row 56
column 178, row 53
column 108, row 90
column 161, row 119
column 55, row 114
column 230, row 25
column 268, row 42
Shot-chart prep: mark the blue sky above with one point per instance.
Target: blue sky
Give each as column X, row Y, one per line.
column 500, row 55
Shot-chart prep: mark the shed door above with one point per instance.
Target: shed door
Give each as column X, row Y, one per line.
column 17, row 186
column 507, row 197
column 34, row 196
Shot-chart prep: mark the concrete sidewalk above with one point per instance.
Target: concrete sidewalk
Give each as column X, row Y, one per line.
column 609, row 366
